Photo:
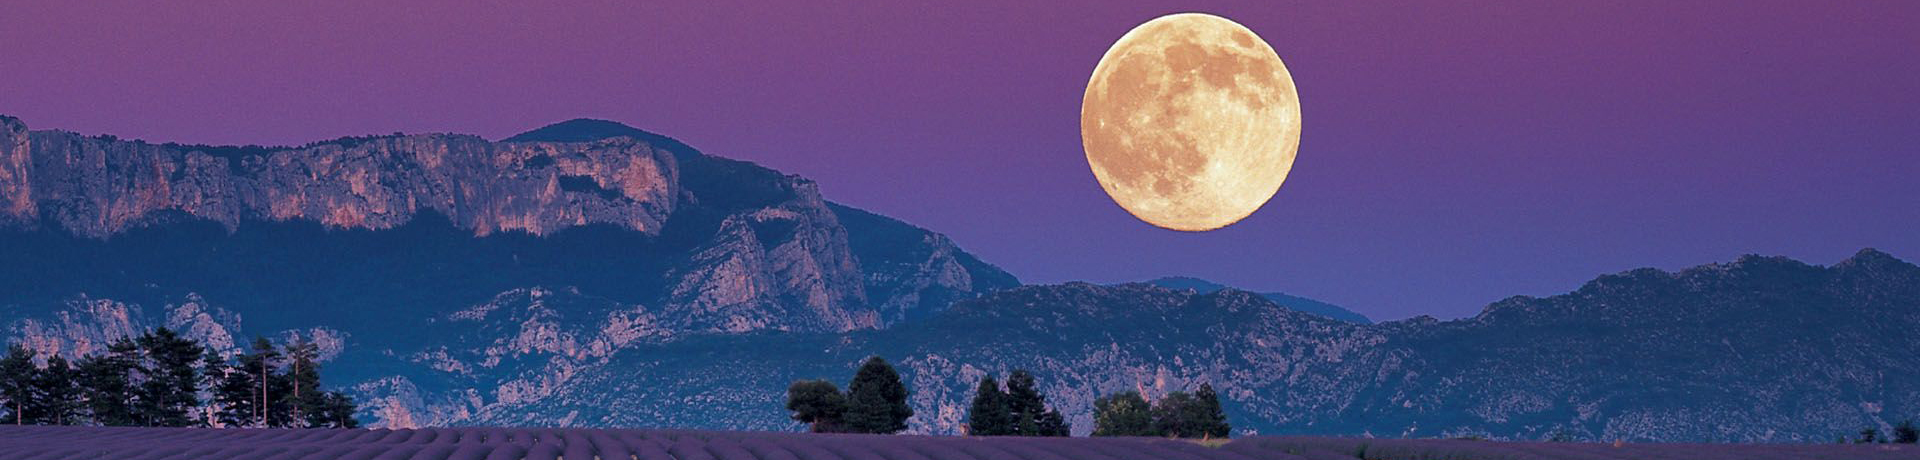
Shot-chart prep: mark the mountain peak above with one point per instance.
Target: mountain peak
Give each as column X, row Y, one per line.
column 578, row 130
column 593, row 129
column 1871, row 257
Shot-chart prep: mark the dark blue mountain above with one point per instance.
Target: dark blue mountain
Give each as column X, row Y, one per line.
column 1285, row 300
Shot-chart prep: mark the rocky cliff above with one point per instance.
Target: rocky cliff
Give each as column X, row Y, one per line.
column 99, row 186
column 519, row 259
column 722, row 245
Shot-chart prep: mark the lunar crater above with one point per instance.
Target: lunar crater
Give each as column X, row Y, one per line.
column 1190, row 122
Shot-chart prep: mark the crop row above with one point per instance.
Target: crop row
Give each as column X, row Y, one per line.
column 543, row 444
column 1319, row 448
column 50, row 443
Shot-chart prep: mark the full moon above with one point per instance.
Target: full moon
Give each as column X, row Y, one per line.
column 1190, row 122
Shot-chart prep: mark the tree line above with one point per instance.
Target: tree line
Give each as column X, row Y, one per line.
column 162, row 379
column 1179, row 415
column 1904, row 433
column 876, row 402
column 1019, row 410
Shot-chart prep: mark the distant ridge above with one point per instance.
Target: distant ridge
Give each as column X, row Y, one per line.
column 1297, row 303
column 591, row 129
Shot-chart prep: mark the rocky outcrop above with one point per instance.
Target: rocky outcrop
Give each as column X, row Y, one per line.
column 99, row 186
column 455, row 274
column 913, row 273
column 84, row 325
column 726, row 246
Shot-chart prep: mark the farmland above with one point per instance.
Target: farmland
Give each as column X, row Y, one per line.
column 29, row 442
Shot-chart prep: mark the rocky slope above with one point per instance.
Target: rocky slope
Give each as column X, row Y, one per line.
column 719, row 245
column 1761, row 349
column 382, row 238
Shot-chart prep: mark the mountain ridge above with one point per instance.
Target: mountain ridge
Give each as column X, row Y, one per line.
column 591, row 307
column 1290, row 301
column 1686, row 360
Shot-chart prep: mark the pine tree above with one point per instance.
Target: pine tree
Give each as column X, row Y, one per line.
column 303, row 375
column 1906, row 433
column 59, row 391
column 213, row 372
column 877, row 400
column 336, row 411
column 108, row 382
column 170, row 393
column 989, row 414
column 17, row 374
column 1054, row 424
column 1177, row 416
column 1211, row 418
column 1123, row 414
column 236, row 394
column 1869, row 436
column 1025, row 402
column 261, row 368
column 818, row 403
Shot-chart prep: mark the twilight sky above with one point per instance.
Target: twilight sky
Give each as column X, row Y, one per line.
column 1452, row 155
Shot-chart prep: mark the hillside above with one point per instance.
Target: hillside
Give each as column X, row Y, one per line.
column 1284, row 299
column 1761, row 349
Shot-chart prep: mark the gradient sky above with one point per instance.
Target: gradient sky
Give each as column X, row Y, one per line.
column 1453, row 154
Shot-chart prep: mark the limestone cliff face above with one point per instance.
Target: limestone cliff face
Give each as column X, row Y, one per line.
column 101, row 186
column 457, row 279
column 739, row 247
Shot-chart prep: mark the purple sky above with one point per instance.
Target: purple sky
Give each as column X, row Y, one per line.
column 1452, row 155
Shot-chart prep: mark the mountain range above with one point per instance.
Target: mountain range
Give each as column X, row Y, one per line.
column 592, row 274
column 1284, row 299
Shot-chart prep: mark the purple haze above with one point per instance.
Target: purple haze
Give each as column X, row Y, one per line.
column 1453, row 155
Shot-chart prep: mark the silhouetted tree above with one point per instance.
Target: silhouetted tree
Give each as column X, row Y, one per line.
column 58, row 389
column 235, row 397
column 1906, row 433
column 817, row 403
column 1052, row 423
column 1211, row 418
column 336, row 411
column 303, row 375
column 989, row 414
column 1178, row 415
column 213, row 372
column 1868, row 436
column 1025, row 402
column 170, row 393
column 1123, row 414
column 156, row 379
column 108, row 384
column 877, row 400
column 261, row 366
column 17, row 382
column 1021, row 410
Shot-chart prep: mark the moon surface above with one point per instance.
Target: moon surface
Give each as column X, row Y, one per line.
column 1190, row 122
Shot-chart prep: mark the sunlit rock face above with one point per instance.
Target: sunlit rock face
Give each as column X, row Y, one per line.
column 737, row 247
column 567, row 243
column 100, row 186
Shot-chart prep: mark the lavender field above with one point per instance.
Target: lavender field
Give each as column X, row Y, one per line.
column 48, row 443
